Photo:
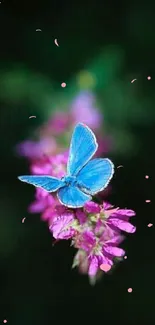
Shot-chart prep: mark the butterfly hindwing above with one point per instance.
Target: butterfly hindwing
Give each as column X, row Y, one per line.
column 83, row 146
column 95, row 176
column 72, row 197
column 48, row 183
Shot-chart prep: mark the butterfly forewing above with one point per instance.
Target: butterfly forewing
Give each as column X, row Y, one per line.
column 48, row 183
column 95, row 176
column 83, row 146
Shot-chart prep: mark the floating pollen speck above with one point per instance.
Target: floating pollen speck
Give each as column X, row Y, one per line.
column 105, row 267
column 56, row 42
column 63, row 85
column 150, row 225
column 133, row 80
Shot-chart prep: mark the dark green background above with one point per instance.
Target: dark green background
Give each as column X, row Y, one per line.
column 37, row 285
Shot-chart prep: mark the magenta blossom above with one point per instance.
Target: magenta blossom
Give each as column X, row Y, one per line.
column 36, row 149
column 99, row 236
column 118, row 218
column 50, row 165
column 42, row 200
column 53, row 134
column 83, row 109
column 58, row 123
column 63, row 227
column 95, row 231
column 99, row 250
column 54, row 166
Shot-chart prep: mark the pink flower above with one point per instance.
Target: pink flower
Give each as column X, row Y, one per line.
column 42, row 166
column 92, row 207
column 93, row 265
column 43, row 200
column 85, row 240
column 81, row 216
column 58, row 124
column 99, row 235
column 81, row 260
column 49, row 165
column 62, row 226
column 83, row 110
column 36, row 149
column 118, row 218
column 53, row 211
column 99, row 251
column 49, row 213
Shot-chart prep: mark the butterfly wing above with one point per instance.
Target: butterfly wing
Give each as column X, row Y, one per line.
column 72, row 197
column 48, row 183
column 95, row 176
column 83, row 146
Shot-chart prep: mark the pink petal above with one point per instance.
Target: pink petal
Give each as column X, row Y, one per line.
column 115, row 240
column 37, row 207
column 81, row 260
column 99, row 227
column 110, row 212
column 61, row 226
column 123, row 225
column 124, row 212
column 61, row 209
column 107, row 205
column 107, row 234
column 83, row 110
column 104, row 259
column 40, row 193
column 87, row 240
column 41, row 169
column 81, row 216
column 49, row 214
column 114, row 250
column 43, row 200
column 89, row 236
column 93, row 266
column 92, row 207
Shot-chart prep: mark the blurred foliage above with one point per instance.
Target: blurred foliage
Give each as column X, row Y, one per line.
column 117, row 97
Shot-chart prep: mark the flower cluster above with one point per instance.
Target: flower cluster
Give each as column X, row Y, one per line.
column 95, row 229
column 53, row 137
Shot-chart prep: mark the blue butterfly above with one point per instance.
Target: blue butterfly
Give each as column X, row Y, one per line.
column 84, row 177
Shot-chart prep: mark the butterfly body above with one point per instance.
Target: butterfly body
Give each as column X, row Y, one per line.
column 84, row 177
column 69, row 180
